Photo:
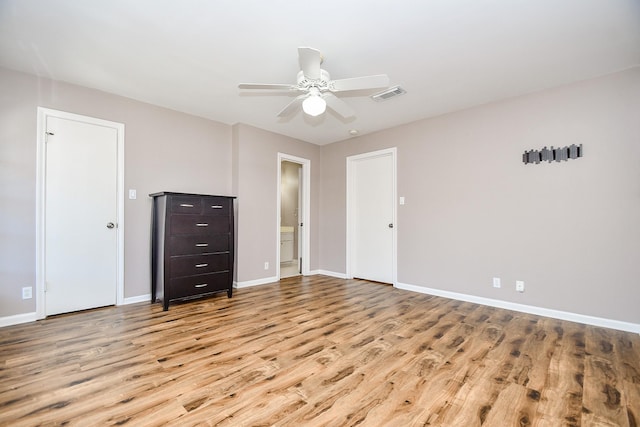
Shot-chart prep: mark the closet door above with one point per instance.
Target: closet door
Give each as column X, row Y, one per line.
column 80, row 216
column 372, row 213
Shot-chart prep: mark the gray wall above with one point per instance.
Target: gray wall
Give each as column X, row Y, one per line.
column 256, row 159
column 164, row 150
column 473, row 210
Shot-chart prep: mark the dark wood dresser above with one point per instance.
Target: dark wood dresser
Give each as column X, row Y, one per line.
column 192, row 246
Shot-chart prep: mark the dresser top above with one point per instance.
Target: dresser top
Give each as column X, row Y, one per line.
column 172, row 193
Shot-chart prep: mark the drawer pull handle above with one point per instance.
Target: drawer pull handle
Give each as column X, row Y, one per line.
column 201, row 265
column 202, row 224
column 201, row 245
column 202, row 285
column 216, row 206
column 185, row 205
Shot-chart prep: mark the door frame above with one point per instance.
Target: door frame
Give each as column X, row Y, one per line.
column 305, row 200
column 351, row 217
column 43, row 114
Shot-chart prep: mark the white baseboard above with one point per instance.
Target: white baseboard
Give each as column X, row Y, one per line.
column 137, row 299
column 329, row 273
column 16, row 319
column 540, row 311
column 274, row 279
column 546, row 312
column 32, row 317
column 257, row 282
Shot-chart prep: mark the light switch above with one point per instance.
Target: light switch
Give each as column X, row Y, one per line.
column 132, row 194
column 402, row 200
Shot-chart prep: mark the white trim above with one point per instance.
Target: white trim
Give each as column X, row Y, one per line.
column 540, row 311
column 306, row 210
column 137, row 299
column 43, row 114
column 330, row 273
column 350, row 209
column 17, row 319
column 257, row 282
column 555, row 314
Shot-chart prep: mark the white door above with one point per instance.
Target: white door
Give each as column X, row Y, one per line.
column 300, row 224
column 372, row 225
column 80, row 215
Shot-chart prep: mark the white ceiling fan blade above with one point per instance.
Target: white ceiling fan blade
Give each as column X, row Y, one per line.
column 292, row 106
column 357, row 83
column 266, row 86
column 338, row 105
column 310, row 60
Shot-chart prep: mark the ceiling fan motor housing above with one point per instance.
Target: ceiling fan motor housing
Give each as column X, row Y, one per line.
column 322, row 84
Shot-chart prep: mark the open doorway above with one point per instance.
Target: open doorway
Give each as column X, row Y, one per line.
column 293, row 202
column 290, row 173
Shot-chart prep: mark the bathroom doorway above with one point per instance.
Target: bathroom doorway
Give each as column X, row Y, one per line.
column 292, row 224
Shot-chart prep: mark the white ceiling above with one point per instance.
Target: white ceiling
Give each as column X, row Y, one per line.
column 190, row 55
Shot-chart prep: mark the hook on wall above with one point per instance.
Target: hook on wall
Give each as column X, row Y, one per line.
column 552, row 154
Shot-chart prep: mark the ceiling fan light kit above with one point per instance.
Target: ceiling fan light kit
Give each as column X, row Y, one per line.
column 318, row 88
column 314, row 105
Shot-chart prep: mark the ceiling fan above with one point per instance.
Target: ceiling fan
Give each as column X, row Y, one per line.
column 317, row 87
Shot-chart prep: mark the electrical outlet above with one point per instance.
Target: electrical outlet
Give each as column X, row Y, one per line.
column 519, row 286
column 266, row 265
column 496, row 282
column 27, row 292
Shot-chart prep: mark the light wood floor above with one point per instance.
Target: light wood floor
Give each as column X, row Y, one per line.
column 317, row 351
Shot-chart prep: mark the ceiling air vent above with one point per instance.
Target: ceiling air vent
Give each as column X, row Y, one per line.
column 389, row 93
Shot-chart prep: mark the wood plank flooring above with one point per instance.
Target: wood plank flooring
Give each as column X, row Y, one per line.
column 317, row 351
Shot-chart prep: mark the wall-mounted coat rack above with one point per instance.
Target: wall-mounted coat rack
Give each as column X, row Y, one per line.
column 552, row 154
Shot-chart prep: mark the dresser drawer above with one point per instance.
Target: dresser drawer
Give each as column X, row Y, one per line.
column 199, row 224
column 198, row 264
column 197, row 285
column 186, row 204
column 199, row 244
column 216, row 206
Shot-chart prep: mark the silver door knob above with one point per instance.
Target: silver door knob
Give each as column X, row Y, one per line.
column 110, row 225
column 390, row 225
